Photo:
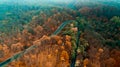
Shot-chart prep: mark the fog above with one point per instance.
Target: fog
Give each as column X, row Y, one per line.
column 35, row 1
column 51, row 1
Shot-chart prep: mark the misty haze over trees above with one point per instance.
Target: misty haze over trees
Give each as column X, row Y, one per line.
column 59, row 33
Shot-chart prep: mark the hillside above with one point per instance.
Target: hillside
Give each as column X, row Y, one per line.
column 74, row 34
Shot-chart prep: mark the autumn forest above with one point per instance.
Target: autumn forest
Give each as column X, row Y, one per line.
column 60, row 34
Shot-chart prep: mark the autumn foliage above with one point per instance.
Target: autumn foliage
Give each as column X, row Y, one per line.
column 98, row 47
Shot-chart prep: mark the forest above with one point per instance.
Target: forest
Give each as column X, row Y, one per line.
column 60, row 34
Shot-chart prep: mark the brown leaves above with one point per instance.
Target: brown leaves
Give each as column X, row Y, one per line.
column 85, row 62
column 67, row 38
column 115, row 54
column 110, row 62
column 59, row 42
column 17, row 47
column 37, row 42
column 45, row 40
column 56, row 37
column 5, row 49
column 68, row 43
column 38, row 29
column 1, row 47
column 64, row 56
column 100, row 50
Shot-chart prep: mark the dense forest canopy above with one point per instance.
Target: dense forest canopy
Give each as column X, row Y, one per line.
column 60, row 33
column 23, row 10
